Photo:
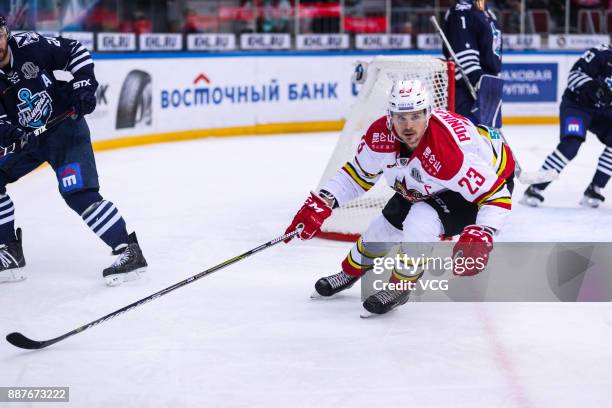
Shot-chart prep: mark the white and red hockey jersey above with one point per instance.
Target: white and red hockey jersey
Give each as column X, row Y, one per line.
column 453, row 155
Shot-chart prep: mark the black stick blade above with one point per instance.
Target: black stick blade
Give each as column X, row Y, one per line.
column 21, row 341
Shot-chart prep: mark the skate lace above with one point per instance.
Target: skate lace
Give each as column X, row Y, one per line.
column 339, row 279
column 5, row 257
column 125, row 257
column 386, row 297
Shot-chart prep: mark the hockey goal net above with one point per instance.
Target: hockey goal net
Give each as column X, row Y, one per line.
column 351, row 220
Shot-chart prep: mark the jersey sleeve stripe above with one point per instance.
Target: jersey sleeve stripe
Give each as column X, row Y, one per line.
column 350, row 170
column 503, row 162
column 576, row 79
column 88, row 61
column 365, row 173
column 503, row 173
column 472, row 69
column 468, row 57
column 77, row 50
column 503, row 202
column 499, row 184
column 78, row 58
column 467, row 52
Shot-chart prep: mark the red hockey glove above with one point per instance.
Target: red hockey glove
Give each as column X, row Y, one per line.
column 311, row 217
column 471, row 252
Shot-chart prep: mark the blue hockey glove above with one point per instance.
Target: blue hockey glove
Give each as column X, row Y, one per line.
column 595, row 94
column 23, row 140
column 84, row 102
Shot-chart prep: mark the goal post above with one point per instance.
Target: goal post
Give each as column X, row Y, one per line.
column 348, row 222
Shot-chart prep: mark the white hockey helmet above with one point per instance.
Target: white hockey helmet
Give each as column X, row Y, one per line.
column 408, row 96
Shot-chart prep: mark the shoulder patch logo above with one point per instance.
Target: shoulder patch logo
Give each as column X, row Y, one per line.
column 416, row 174
column 463, row 6
column 26, row 38
column 13, row 77
column 34, row 110
column 30, row 70
column 497, row 40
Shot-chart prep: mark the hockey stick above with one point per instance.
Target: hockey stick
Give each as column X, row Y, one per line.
column 534, row 177
column 16, row 147
column 21, row 341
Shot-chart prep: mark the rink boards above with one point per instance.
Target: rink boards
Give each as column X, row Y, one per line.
column 156, row 97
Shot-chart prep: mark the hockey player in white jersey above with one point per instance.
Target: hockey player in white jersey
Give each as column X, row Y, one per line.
column 450, row 178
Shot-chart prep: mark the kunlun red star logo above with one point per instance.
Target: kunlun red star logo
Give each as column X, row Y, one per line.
column 411, row 195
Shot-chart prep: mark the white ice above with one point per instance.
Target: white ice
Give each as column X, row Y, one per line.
column 248, row 335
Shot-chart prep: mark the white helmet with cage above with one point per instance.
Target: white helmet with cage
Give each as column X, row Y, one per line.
column 408, row 96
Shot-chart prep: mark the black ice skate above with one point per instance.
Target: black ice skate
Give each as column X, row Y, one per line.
column 128, row 265
column 532, row 197
column 330, row 285
column 384, row 301
column 12, row 260
column 592, row 197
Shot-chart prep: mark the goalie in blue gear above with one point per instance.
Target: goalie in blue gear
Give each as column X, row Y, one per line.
column 474, row 35
column 30, row 98
column 586, row 105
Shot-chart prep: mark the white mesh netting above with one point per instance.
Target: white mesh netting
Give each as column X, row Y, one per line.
column 371, row 103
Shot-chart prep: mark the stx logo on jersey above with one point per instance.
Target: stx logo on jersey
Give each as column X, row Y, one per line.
column 70, row 177
column 80, row 84
column 34, row 110
column 573, row 126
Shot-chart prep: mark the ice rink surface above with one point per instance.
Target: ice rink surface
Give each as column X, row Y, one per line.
column 248, row 336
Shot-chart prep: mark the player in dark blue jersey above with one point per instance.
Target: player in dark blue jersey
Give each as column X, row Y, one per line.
column 474, row 36
column 586, row 105
column 30, row 96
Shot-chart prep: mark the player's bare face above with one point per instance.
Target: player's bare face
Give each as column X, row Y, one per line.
column 410, row 127
column 4, row 53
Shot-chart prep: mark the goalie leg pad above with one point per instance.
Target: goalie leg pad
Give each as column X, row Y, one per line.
column 488, row 103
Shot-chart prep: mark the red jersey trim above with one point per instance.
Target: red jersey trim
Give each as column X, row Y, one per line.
column 380, row 139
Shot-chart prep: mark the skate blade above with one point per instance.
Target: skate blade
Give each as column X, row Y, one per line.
column 589, row 202
column 316, row 296
column 530, row 201
column 119, row 278
column 12, row 275
column 366, row 315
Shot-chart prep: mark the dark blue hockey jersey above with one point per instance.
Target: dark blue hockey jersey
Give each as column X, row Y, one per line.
column 475, row 38
column 30, row 95
column 594, row 65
